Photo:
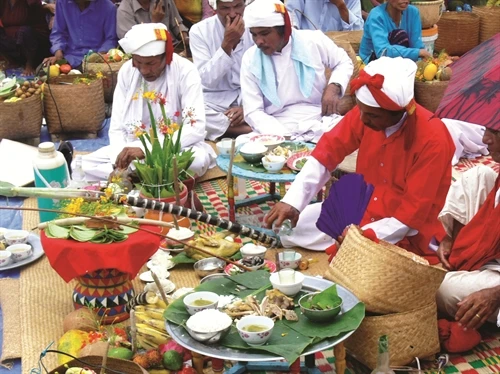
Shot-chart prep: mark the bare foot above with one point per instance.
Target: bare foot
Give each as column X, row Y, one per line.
column 28, row 70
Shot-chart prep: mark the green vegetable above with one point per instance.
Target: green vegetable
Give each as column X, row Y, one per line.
column 326, row 299
column 172, row 360
column 300, row 163
column 120, row 352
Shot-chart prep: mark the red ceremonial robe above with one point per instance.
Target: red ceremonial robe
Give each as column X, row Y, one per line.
column 410, row 185
column 479, row 241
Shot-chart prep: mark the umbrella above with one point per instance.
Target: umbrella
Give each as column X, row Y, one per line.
column 473, row 94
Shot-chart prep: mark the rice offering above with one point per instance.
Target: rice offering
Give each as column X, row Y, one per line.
column 218, row 321
column 252, row 148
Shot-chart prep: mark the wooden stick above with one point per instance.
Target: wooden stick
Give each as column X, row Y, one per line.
column 104, row 359
column 160, row 287
column 176, row 190
column 120, row 220
column 230, row 183
column 182, row 37
column 133, row 331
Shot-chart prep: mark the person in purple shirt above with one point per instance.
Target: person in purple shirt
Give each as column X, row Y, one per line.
column 80, row 26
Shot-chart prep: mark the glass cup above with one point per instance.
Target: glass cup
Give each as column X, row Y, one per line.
column 288, row 255
column 287, row 276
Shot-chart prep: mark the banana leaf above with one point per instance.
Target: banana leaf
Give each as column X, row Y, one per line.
column 289, row 339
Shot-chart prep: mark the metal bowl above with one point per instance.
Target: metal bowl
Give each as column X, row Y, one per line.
column 208, row 337
column 207, row 266
column 213, row 276
column 318, row 315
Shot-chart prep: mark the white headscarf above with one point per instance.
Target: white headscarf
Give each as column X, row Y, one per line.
column 145, row 39
column 399, row 80
column 262, row 13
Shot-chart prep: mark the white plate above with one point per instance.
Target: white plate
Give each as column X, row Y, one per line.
column 149, row 265
column 34, row 241
column 147, row 277
column 169, row 288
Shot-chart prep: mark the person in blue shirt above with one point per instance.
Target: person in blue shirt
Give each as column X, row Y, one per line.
column 80, row 26
column 393, row 29
column 326, row 15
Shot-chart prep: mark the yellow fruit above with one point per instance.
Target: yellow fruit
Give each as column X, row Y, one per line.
column 54, row 71
column 430, row 71
column 71, row 342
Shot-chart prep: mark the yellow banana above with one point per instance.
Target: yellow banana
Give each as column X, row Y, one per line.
column 145, row 342
column 157, row 324
column 152, row 312
column 154, row 335
column 161, row 304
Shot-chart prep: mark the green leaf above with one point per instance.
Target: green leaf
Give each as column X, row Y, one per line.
column 183, row 258
column 82, row 235
column 55, row 231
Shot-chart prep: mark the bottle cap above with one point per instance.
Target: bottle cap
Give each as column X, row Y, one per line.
column 46, row 147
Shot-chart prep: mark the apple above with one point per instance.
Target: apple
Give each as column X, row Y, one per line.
column 65, row 68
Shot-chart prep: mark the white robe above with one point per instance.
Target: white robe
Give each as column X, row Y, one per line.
column 220, row 73
column 266, row 118
column 181, row 84
column 463, row 201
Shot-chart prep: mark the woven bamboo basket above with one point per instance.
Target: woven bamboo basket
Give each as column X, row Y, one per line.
column 110, row 71
column 113, row 365
column 388, row 279
column 73, row 108
column 21, row 119
column 458, row 33
column 353, row 37
column 489, row 21
column 411, row 334
column 430, row 12
column 429, row 94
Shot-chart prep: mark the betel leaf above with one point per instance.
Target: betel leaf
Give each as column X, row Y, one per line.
column 82, row 235
column 326, row 299
column 54, row 231
column 127, row 229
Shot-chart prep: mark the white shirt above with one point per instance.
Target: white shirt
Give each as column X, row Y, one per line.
column 264, row 117
column 181, row 84
column 220, row 73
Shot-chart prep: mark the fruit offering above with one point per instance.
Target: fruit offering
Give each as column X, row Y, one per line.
column 25, row 90
column 435, row 69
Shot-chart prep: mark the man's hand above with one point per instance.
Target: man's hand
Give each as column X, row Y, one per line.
column 279, row 213
column 233, row 32
column 444, row 251
column 52, row 60
column 158, row 12
column 424, row 53
column 338, row 3
column 51, row 8
column 330, row 100
column 475, row 309
column 235, row 116
column 128, row 155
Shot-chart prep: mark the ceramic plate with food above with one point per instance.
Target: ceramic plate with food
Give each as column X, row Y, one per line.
column 231, row 269
column 298, row 160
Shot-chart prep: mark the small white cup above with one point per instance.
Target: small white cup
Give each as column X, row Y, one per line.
column 20, row 251
column 288, row 255
column 5, row 258
column 287, row 276
column 16, row 237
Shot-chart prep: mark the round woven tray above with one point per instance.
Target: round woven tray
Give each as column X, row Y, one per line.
column 21, row 119
column 115, row 366
column 388, row 279
column 458, row 33
column 429, row 94
column 411, row 334
column 489, row 24
column 71, row 108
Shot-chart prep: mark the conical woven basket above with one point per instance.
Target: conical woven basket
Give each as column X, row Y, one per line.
column 411, row 334
column 388, row 279
column 353, row 37
column 489, row 21
column 21, row 119
column 71, row 108
column 430, row 94
column 458, row 33
column 110, row 71
column 116, row 366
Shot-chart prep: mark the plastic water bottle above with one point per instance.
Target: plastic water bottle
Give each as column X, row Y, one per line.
column 383, row 357
column 51, row 171
column 285, row 229
column 78, row 175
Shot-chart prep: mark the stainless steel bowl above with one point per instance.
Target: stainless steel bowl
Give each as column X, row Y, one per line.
column 208, row 337
column 213, row 276
column 207, row 266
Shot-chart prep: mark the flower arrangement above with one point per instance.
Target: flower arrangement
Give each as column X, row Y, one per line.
column 156, row 170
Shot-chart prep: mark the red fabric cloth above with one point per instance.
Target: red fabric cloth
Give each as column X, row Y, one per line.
column 454, row 339
column 410, row 185
column 71, row 259
column 479, row 241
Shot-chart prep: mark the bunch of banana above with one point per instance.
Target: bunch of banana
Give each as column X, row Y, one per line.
column 150, row 325
column 220, row 244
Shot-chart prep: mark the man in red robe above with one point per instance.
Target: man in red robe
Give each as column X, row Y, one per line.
column 403, row 152
column 24, row 33
column 470, row 292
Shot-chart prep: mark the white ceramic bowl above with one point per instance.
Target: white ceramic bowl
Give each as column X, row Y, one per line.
column 250, row 249
column 271, row 141
column 289, row 264
column 273, row 164
column 224, row 146
column 255, row 338
column 5, row 258
column 20, row 251
column 289, row 289
column 16, row 237
column 190, row 299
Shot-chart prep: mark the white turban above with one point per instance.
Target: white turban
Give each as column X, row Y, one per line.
column 262, row 13
column 399, row 80
column 145, row 39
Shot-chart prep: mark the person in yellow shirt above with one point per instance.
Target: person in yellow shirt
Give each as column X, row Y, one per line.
column 193, row 11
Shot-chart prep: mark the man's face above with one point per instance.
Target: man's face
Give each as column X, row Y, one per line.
column 399, row 4
column 229, row 9
column 492, row 139
column 149, row 67
column 378, row 119
column 267, row 39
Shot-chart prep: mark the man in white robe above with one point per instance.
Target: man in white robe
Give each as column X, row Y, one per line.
column 152, row 68
column 217, row 45
column 283, row 82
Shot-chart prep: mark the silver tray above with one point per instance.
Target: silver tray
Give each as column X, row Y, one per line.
column 180, row 335
column 34, row 241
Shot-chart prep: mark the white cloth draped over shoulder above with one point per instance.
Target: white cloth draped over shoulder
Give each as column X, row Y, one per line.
column 180, row 83
column 293, row 109
column 220, row 73
column 468, row 139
